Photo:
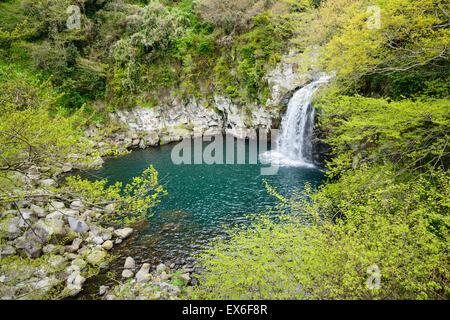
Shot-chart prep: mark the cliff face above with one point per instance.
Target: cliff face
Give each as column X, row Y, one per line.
column 174, row 118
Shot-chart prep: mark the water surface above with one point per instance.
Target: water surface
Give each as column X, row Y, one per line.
column 201, row 199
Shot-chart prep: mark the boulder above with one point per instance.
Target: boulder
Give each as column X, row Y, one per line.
column 48, row 183
column 127, row 273
column 129, row 263
column 6, row 250
column 54, row 228
column 96, row 256
column 77, row 205
column 107, row 245
column 32, row 241
column 123, row 233
column 56, row 205
column 57, row 215
column 40, row 212
column 77, row 225
column 143, row 273
column 10, row 228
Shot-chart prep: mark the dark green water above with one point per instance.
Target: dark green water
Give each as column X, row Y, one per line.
column 201, row 199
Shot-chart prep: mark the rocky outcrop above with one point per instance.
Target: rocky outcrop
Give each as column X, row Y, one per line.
column 166, row 282
column 174, row 119
column 64, row 239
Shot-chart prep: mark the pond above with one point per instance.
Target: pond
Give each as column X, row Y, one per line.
column 202, row 198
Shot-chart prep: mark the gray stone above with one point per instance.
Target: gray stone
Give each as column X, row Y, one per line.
column 46, row 284
column 161, row 268
column 96, row 256
column 170, row 288
column 107, row 245
column 6, row 250
column 49, row 248
column 10, row 228
column 143, row 273
column 79, row 263
column 127, row 273
column 77, row 225
column 54, row 228
column 97, row 240
column 75, row 245
column 56, row 205
column 123, row 233
column 102, row 290
column 56, row 215
column 32, row 240
column 48, row 183
column 129, row 263
column 77, row 205
column 40, row 212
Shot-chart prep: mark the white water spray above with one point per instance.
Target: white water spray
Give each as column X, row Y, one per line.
column 294, row 145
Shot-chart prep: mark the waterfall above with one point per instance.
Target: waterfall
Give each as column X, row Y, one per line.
column 294, row 144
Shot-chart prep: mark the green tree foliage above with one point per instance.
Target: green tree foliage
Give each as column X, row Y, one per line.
column 412, row 134
column 324, row 244
column 408, row 35
column 131, row 202
column 385, row 206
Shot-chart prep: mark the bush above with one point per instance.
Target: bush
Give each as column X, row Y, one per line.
column 327, row 245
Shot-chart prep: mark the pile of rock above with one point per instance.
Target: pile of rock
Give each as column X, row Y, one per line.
column 165, row 282
column 65, row 236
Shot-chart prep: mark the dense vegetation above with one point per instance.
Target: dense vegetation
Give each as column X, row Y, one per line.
column 379, row 229
column 386, row 119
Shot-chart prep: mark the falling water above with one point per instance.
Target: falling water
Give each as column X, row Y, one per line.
column 294, row 145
